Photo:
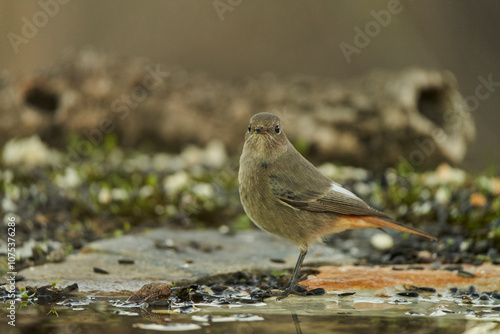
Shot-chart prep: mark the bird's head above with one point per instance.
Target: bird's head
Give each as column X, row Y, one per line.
column 265, row 138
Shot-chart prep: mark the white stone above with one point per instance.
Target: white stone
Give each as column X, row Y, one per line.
column 382, row 241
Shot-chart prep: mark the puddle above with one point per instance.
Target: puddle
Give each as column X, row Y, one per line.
column 365, row 311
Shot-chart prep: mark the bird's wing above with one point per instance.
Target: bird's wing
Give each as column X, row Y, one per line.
column 308, row 189
column 330, row 197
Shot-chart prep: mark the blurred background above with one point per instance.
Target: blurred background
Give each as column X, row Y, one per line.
column 230, row 39
column 64, row 64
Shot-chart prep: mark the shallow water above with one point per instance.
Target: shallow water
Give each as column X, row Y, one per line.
column 330, row 313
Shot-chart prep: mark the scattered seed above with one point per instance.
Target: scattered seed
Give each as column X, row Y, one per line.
column 126, row 261
column 316, row 292
column 415, row 268
column 466, row 274
column 346, row 294
column 278, row 261
column 100, row 271
column 414, row 313
column 408, row 294
column 453, row 268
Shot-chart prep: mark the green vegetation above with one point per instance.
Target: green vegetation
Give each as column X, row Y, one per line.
column 111, row 192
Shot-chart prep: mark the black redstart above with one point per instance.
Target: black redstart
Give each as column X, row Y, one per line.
column 284, row 194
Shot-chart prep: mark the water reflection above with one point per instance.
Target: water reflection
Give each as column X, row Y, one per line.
column 324, row 314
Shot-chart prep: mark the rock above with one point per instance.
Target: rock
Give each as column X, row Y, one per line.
column 477, row 199
column 192, row 256
column 29, row 152
column 415, row 117
column 382, row 241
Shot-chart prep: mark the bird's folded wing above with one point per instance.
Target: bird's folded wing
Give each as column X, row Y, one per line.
column 330, row 197
column 333, row 198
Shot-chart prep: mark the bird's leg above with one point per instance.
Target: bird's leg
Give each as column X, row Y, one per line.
column 295, row 276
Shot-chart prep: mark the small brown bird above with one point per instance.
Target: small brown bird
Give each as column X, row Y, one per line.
column 284, row 194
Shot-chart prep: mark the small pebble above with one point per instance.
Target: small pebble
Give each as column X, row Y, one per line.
column 345, row 294
column 408, row 294
column 300, row 289
column 435, row 266
column 415, row 268
column 278, row 260
column 484, row 297
column 426, row 289
column 218, row 288
column 382, row 241
column 100, row 271
column 453, row 268
column 160, row 303
column 414, row 313
column 466, row 274
column 495, row 295
column 316, row 292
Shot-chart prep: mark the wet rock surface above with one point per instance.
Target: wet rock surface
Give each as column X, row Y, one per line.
column 175, row 256
column 422, row 277
column 237, row 303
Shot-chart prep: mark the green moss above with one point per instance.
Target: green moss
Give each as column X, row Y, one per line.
column 302, row 145
column 242, row 223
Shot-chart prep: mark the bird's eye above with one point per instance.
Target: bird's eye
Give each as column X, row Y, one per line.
column 249, row 128
column 277, row 129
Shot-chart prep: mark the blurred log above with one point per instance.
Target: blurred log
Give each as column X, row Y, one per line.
column 414, row 116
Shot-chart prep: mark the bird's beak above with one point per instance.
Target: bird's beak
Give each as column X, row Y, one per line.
column 260, row 130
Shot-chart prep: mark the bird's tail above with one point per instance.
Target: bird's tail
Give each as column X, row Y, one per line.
column 379, row 222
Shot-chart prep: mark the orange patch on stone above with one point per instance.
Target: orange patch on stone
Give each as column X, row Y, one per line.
column 362, row 277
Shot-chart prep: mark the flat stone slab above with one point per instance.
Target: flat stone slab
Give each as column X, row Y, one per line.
column 182, row 256
column 485, row 277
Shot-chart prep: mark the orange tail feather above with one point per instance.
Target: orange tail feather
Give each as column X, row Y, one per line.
column 394, row 225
